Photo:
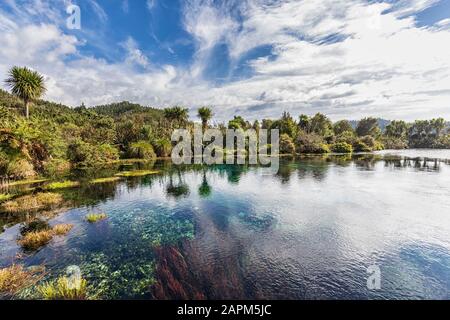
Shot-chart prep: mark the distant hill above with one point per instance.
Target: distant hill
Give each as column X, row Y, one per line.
column 126, row 108
column 382, row 123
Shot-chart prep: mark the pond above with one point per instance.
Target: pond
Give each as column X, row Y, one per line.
column 233, row 232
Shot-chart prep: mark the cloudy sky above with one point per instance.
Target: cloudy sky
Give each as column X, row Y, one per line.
column 255, row 58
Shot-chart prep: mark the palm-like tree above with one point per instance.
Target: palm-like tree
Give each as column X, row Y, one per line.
column 177, row 114
column 205, row 114
column 26, row 84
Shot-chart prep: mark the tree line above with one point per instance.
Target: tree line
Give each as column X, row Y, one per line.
column 41, row 137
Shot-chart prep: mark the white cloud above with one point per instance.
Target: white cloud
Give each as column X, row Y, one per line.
column 151, row 4
column 134, row 54
column 381, row 63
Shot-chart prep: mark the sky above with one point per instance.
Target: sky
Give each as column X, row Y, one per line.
column 254, row 58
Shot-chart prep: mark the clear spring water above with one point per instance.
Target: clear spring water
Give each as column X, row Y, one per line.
column 309, row 232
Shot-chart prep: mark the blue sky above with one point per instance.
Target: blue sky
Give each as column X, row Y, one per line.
column 256, row 58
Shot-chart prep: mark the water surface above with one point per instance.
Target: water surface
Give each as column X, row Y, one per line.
column 226, row 232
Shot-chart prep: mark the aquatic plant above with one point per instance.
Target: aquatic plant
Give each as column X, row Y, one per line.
column 15, row 278
column 32, row 202
column 5, row 197
column 34, row 226
column 136, row 173
column 36, row 239
column 24, row 182
column 62, row 185
column 94, row 217
column 105, row 180
column 62, row 289
column 62, row 229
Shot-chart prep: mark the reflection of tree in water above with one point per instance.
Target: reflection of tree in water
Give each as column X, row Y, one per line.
column 205, row 189
column 181, row 189
column 234, row 173
column 286, row 168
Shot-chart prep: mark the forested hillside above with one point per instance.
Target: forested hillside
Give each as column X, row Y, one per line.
column 56, row 137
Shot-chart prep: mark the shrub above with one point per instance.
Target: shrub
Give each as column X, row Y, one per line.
column 84, row 154
column 163, row 147
column 347, row 137
column 108, row 153
column 443, row 142
column 81, row 153
column 360, row 146
column 55, row 166
column 311, row 143
column 395, row 143
column 141, row 150
column 62, row 289
column 32, row 202
column 342, row 147
column 286, row 145
column 95, row 217
column 20, row 169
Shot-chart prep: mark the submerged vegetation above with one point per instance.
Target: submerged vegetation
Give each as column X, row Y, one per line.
column 62, row 185
column 16, row 278
column 34, row 240
column 136, row 173
column 63, row 289
column 41, row 235
column 95, row 217
column 105, row 180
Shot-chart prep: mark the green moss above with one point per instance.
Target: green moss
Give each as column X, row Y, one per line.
column 62, row 185
column 105, row 180
column 136, row 173
column 24, row 182
column 95, row 217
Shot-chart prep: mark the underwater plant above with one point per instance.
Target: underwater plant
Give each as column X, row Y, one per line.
column 62, row 185
column 36, row 239
column 63, row 289
column 136, row 173
column 62, row 229
column 105, row 180
column 15, row 278
column 95, row 217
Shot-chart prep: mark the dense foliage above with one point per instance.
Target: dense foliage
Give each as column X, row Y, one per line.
column 55, row 137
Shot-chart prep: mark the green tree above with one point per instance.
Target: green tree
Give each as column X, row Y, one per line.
column 287, row 146
column 397, row 129
column 368, row 127
column 321, row 125
column 438, row 125
column 205, row 114
column 177, row 114
column 26, row 84
column 304, row 123
column 342, row 126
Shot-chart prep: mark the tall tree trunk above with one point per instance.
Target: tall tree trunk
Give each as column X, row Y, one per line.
column 27, row 107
